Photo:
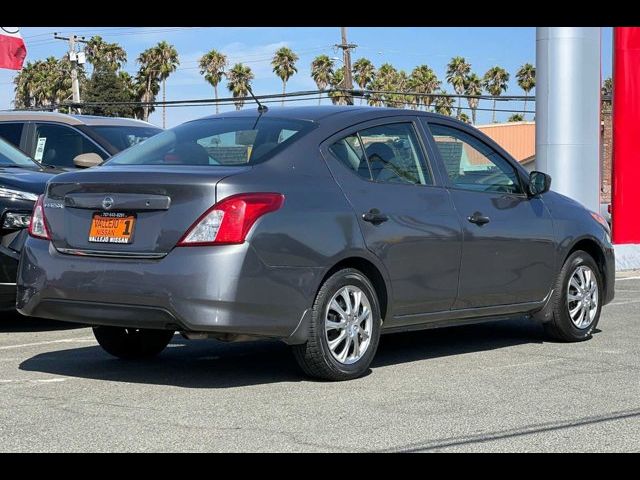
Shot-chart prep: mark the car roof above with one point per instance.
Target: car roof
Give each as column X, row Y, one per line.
column 71, row 119
column 319, row 113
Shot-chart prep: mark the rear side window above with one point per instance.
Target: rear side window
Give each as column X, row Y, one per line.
column 11, row 132
column 350, row 152
column 385, row 154
column 216, row 142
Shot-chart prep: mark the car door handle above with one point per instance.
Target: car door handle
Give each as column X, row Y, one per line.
column 374, row 216
column 478, row 219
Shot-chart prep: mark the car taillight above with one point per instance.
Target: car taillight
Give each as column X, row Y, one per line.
column 38, row 225
column 229, row 220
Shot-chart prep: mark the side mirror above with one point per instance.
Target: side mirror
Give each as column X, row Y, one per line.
column 87, row 160
column 539, row 183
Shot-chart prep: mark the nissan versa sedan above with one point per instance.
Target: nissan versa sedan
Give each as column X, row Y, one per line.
column 320, row 226
column 21, row 181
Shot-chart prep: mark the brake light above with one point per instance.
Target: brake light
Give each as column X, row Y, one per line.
column 229, row 221
column 38, row 225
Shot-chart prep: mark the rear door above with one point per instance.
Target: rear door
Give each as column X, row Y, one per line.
column 406, row 217
column 508, row 247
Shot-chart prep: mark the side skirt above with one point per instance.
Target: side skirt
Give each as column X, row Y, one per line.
column 447, row 318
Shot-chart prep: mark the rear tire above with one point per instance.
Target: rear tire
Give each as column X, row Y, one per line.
column 577, row 299
column 132, row 343
column 344, row 329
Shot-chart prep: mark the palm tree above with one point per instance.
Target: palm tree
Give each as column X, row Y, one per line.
column 375, row 99
column 337, row 97
column 444, row 103
column 424, row 81
column 44, row 83
column 166, row 62
column 284, row 66
column 386, row 78
column 322, row 73
column 516, row 117
column 473, row 87
column 239, row 82
column 25, row 85
column 463, row 117
column 400, row 83
column 457, row 71
column 147, row 78
column 527, row 81
column 212, row 66
column 103, row 55
column 363, row 73
column 495, row 81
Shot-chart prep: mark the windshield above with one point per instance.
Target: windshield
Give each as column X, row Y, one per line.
column 215, row 141
column 123, row 137
column 12, row 157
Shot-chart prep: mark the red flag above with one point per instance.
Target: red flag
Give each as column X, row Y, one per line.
column 12, row 49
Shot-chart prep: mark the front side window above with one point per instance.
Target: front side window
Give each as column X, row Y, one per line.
column 10, row 156
column 473, row 165
column 215, row 142
column 58, row 145
column 394, row 154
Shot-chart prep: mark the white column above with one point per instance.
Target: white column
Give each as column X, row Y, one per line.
column 568, row 111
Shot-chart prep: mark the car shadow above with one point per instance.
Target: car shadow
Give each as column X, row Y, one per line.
column 213, row 364
column 12, row 321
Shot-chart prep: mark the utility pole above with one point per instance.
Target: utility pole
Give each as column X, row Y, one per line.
column 73, row 58
column 346, row 56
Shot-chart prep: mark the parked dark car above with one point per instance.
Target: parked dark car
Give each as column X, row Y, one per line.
column 72, row 141
column 21, row 181
column 320, row 226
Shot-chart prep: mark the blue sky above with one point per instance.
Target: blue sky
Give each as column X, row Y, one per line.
column 403, row 47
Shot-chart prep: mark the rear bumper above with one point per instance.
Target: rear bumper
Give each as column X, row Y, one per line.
column 224, row 289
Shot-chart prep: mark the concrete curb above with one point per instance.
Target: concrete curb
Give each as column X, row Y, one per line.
column 627, row 256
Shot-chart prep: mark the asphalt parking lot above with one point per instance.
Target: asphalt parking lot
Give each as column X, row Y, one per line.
column 492, row 387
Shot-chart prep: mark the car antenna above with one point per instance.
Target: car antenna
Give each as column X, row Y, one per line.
column 261, row 108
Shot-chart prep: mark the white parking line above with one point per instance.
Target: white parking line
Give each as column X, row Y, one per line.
column 627, row 278
column 36, row 344
column 628, row 302
column 43, row 380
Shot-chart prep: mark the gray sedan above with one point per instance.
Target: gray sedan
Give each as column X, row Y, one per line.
column 320, row 226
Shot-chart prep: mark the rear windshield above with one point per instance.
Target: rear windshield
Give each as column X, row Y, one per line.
column 123, row 137
column 12, row 157
column 215, row 141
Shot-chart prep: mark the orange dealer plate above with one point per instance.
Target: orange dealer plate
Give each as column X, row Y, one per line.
column 112, row 227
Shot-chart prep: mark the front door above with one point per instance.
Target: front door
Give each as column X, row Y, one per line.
column 406, row 218
column 508, row 242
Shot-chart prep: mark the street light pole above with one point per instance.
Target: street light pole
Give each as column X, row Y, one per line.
column 346, row 55
column 73, row 58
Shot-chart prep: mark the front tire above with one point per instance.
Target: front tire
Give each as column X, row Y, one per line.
column 344, row 329
column 132, row 343
column 577, row 299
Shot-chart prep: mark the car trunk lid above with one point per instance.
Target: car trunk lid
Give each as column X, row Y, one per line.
column 87, row 211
